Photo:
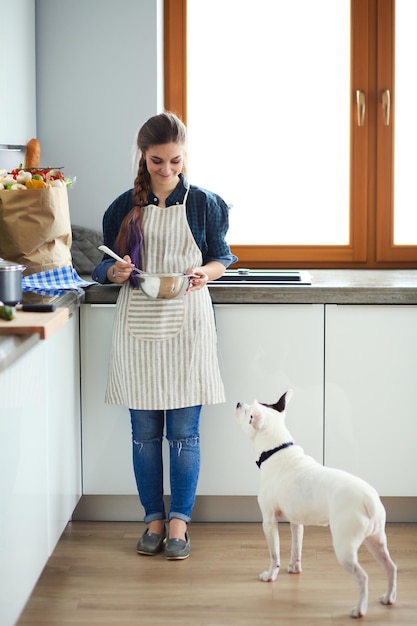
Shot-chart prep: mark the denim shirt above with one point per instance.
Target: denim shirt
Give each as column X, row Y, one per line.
column 207, row 216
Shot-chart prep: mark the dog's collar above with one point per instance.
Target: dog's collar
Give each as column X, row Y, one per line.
column 265, row 455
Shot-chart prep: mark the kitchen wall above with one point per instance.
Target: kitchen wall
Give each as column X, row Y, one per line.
column 99, row 77
column 9, row 159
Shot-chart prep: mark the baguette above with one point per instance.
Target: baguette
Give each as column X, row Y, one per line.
column 32, row 154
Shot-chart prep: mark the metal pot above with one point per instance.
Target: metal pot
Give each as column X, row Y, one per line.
column 11, row 282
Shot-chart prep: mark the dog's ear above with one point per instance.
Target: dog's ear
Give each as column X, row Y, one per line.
column 284, row 400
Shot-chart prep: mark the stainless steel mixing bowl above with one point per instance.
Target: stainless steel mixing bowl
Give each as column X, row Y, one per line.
column 163, row 286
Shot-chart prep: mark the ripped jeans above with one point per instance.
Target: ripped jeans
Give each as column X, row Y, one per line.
column 182, row 433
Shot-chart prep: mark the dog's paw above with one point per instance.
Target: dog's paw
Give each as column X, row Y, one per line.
column 387, row 599
column 294, row 568
column 269, row 575
column 357, row 613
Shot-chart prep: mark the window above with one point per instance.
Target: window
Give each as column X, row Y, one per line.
column 405, row 197
column 322, row 73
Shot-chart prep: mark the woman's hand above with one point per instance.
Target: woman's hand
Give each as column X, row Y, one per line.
column 202, row 275
column 198, row 280
column 120, row 272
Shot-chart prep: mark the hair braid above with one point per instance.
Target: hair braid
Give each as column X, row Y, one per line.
column 129, row 238
column 142, row 184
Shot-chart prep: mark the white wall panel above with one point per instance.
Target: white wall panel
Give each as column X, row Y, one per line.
column 99, row 68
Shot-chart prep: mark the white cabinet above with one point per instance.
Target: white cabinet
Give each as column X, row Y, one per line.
column 23, row 480
column 263, row 350
column 40, row 461
column 353, row 371
column 64, row 427
column 107, row 456
column 371, row 400
column 18, row 77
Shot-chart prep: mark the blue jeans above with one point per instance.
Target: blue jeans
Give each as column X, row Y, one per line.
column 182, row 433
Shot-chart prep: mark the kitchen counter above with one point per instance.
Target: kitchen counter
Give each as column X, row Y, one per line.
column 13, row 346
column 327, row 287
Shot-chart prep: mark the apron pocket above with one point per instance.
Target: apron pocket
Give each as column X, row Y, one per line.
column 154, row 320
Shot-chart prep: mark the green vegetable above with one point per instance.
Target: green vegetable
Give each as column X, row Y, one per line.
column 6, row 312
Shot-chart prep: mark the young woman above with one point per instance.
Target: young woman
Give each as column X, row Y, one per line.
column 163, row 364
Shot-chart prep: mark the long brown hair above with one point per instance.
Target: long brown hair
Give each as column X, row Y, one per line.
column 160, row 129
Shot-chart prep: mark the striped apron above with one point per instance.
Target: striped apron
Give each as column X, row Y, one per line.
column 164, row 352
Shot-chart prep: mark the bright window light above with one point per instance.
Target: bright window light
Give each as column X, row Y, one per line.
column 268, row 116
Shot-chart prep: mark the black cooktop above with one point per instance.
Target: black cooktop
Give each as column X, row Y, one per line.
column 264, row 277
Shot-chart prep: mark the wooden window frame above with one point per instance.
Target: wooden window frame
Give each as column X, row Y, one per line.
column 371, row 229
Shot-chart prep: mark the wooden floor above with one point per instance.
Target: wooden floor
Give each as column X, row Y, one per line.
column 95, row 577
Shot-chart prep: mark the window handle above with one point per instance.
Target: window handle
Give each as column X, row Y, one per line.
column 360, row 104
column 386, row 106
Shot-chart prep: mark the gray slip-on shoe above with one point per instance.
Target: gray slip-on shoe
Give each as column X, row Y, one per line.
column 177, row 549
column 150, row 543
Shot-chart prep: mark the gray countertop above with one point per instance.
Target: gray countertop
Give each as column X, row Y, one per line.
column 371, row 287
column 327, row 287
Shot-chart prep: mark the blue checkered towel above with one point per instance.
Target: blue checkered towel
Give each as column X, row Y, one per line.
column 54, row 282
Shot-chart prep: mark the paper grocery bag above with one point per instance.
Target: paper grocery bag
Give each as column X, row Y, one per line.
column 35, row 228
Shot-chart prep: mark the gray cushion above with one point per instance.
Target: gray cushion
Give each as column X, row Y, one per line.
column 85, row 255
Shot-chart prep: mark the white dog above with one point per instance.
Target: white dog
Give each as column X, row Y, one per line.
column 296, row 488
